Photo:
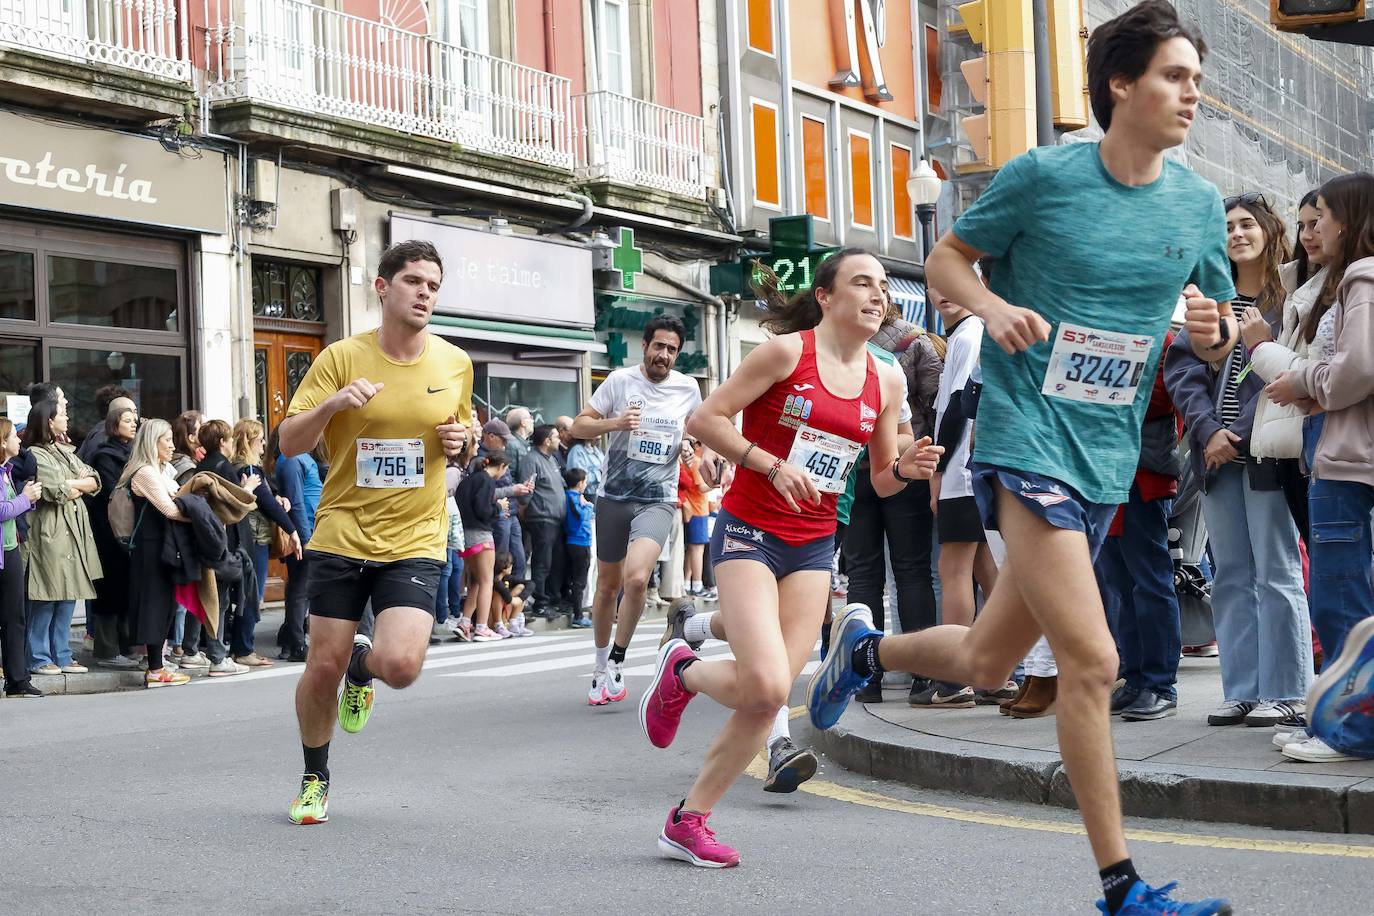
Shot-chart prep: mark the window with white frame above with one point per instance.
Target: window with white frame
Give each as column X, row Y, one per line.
column 612, row 20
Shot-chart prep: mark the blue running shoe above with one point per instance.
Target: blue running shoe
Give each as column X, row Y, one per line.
column 1144, row 900
column 1340, row 705
column 835, row 680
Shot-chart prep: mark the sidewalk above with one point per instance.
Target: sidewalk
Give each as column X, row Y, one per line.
column 1171, row 768
column 101, row 680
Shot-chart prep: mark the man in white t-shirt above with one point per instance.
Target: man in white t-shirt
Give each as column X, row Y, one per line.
column 644, row 409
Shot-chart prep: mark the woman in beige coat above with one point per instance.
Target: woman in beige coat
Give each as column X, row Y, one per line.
column 60, row 551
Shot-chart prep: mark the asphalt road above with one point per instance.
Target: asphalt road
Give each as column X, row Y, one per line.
column 490, row 787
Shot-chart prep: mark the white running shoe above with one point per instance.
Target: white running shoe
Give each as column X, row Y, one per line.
column 227, row 668
column 596, row 694
column 615, row 682
column 1315, row 750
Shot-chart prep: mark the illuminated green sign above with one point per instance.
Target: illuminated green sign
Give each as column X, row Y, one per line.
column 793, row 258
column 795, row 272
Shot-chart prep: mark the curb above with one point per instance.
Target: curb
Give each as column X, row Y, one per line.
column 871, row 747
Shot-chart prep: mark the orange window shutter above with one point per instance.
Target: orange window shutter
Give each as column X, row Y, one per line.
column 903, row 213
column 766, row 155
column 817, row 177
column 761, row 25
column 861, row 180
column 935, row 86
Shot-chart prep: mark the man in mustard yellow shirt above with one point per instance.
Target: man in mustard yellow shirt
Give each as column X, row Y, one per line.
column 391, row 405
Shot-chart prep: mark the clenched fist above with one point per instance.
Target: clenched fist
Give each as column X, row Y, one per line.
column 356, row 393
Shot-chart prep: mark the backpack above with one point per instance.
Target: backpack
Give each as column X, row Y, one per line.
column 123, row 525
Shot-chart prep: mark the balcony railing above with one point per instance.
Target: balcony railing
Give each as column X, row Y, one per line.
column 144, row 35
column 630, row 141
column 297, row 55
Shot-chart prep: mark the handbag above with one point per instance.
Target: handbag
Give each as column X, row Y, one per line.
column 280, row 545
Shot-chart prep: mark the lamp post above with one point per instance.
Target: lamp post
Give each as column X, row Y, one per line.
column 923, row 187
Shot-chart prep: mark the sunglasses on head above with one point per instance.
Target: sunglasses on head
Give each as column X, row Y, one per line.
column 1248, row 199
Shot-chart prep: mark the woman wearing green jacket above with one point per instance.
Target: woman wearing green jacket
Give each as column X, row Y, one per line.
column 60, row 551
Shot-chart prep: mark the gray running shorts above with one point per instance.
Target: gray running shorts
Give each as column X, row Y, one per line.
column 620, row 522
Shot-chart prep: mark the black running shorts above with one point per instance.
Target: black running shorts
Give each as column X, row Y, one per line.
column 958, row 521
column 340, row 587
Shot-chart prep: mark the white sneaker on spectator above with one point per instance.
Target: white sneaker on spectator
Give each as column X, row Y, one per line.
column 1283, row 739
column 194, row 661
column 1315, row 750
column 1271, row 712
column 226, row 668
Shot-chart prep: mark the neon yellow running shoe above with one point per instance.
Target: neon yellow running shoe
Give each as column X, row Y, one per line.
column 312, row 804
column 355, row 706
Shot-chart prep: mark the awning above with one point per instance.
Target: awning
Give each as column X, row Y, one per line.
column 573, row 339
column 910, row 297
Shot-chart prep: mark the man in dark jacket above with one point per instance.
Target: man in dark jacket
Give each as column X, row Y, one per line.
column 543, row 518
column 111, row 621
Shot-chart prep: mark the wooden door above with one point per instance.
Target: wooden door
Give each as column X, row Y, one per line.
column 280, row 361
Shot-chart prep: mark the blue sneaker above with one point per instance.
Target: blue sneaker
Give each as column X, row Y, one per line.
column 1144, row 900
column 835, row 681
column 1340, row 705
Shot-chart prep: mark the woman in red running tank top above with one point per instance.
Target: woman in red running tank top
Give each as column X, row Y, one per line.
column 812, row 397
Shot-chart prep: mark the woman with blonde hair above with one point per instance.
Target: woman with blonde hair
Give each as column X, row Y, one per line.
column 152, row 592
column 246, row 451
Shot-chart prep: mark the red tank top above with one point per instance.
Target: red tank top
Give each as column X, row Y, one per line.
column 798, row 418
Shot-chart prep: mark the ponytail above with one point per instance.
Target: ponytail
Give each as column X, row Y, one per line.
column 801, row 312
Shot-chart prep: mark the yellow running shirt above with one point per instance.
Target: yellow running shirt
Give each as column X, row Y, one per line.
column 389, row 505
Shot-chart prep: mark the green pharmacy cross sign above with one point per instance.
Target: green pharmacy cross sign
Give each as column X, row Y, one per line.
column 793, row 259
column 627, row 259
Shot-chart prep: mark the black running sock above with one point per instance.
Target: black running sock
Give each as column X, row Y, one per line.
column 618, row 653
column 317, row 760
column 1117, row 881
column 681, row 667
column 358, row 675
column 825, row 641
column 865, row 659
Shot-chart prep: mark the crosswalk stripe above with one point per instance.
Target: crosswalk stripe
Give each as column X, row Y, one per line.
column 446, row 656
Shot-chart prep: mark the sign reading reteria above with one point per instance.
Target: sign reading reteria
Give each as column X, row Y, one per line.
column 506, row 277
column 101, row 173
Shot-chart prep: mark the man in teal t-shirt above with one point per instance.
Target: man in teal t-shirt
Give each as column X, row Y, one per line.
column 1094, row 244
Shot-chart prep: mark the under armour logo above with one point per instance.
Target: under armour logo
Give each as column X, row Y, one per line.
column 1176, row 253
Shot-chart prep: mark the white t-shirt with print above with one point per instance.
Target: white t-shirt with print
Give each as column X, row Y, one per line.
column 641, row 466
column 961, row 358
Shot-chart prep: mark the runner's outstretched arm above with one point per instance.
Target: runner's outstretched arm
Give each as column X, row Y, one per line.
column 950, row 269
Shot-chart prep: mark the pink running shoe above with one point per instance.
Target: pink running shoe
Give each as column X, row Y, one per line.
column 661, row 709
column 685, row 836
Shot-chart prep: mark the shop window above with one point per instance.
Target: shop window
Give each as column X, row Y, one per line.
column 766, row 184
column 111, row 295
column 282, row 290
column 18, row 297
column 815, row 173
column 903, row 212
column 155, row 379
column 761, row 25
column 18, row 369
column 860, row 180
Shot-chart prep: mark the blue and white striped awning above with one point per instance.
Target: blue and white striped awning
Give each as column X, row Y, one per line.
column 910, row 297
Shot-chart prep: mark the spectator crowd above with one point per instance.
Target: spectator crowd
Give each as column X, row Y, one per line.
column 1246, row 535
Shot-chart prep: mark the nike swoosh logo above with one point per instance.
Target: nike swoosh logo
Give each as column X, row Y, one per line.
column 418, row 582
column 429, row 390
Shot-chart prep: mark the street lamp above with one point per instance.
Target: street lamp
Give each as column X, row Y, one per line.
column 923, row 187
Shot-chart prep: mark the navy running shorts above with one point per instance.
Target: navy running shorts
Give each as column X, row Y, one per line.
column 734, row 539
column 1055, row 502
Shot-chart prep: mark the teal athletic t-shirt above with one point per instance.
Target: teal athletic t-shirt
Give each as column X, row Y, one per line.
column 1080, row 248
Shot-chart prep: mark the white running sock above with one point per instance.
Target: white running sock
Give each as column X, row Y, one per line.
column 698, row 627
column 697, row 586
column 603, row 655
column 780, row 727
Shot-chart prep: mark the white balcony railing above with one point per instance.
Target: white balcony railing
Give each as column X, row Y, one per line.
column 631, row 141
column 144, row 35
column 298, row 55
